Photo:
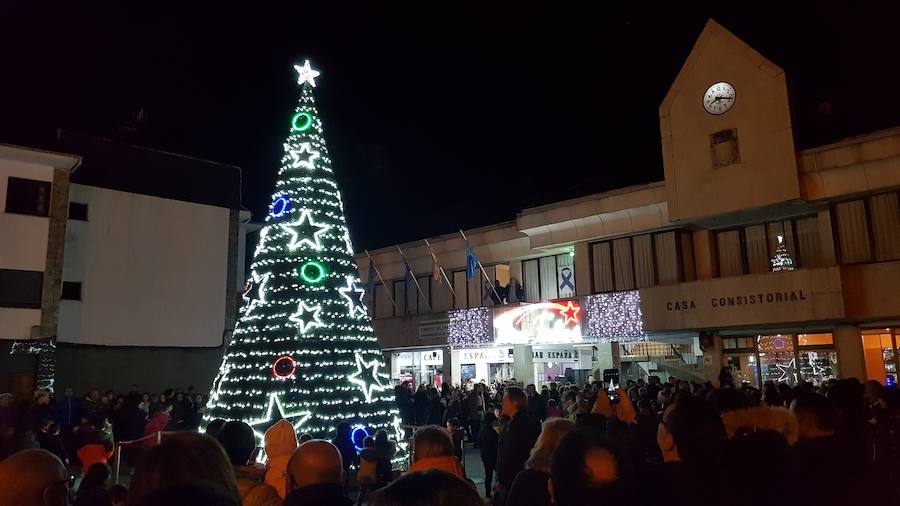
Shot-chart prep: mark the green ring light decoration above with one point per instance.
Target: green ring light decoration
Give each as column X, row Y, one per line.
column 313, row 272
column 304, row 125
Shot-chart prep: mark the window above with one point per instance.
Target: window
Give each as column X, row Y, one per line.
column 868, row 229
column 548, row 278
column 71, row 290
column 21, row 289
column 27, row 196
column 782, row 358
column 880, row 350
column 724, row 148
column 853, row 232
column 641, row 261
column 750, row 249
column 400, row 298
column 78, row 211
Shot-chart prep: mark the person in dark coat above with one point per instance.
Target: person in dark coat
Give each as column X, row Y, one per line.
column 537, row 405
column 48, row 438
column 345, row 446
column 404, row 403
column 515, row 443
column 68, row 410
column 488, row 439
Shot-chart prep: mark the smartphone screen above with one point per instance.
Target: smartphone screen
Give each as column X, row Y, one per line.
column 611, row 383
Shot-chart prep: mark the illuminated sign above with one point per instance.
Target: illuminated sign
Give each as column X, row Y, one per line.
column 544, row 322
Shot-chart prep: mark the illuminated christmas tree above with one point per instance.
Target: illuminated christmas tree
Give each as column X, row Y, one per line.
column 304, row 349
column 782, row 260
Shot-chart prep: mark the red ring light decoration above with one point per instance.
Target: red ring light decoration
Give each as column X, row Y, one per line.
column 281, row 360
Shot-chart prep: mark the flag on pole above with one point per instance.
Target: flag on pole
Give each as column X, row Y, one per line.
column 436, row 272
column 471, row 261
column 408, row 275
column 370, row 281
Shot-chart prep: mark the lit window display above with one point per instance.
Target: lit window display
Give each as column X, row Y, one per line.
column 881, row 354
column 781, row 358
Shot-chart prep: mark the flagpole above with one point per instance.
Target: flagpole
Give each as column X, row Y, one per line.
column 388, row 291
column 416, row 281
column 444, row 274
column 486, row 278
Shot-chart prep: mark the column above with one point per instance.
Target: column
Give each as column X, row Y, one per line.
column 453, row 371
column 712, row 359
column 607, row 358
column 447, row 366
column 851, row 358
column 705, row 254
column 523, row 361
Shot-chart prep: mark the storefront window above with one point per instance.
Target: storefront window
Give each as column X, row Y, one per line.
column 817, row 366
column 777, row 361
column 467, row 372
column 418, row 367
column 880, row 352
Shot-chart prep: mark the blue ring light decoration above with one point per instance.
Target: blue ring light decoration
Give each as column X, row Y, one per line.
column 358, row 436
column 280, row 206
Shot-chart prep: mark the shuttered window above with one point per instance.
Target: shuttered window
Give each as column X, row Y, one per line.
column 758, row 258
column 601, row 258
column 885, row 212
column 400, row 298
column 853, row 232
column 729, row 246
column 460, row 286
column 666, row 258
column 622, row 265
column 810, row 251
column 644, row 271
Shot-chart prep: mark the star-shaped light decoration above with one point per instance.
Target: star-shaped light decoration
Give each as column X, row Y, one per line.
column 399, row 433
column 263, row 234
column 305, row 74
column 307, row 317
column 262, row 424
column 305, row 231
column 347, row 241
column 303, row 157
column 366, row 377
column 570, row 313
column 259, row 283
column 787, row 370
column 354, row 295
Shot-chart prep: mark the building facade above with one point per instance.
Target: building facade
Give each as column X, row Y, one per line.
column 125, row 263
column 777, row 262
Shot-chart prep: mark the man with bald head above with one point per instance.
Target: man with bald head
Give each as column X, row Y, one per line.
column 33, row 478
column 315, row 476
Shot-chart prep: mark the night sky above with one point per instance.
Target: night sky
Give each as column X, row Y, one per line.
column 438, row 117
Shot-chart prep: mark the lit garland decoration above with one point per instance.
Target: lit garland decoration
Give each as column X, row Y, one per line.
column 45, row 349
column 613, row 317
column 304, row 348
column 782, row 260
column 469, row 328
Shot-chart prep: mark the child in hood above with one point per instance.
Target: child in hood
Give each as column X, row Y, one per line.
column 281, row 441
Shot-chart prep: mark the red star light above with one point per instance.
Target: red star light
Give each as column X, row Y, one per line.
column 569, row 312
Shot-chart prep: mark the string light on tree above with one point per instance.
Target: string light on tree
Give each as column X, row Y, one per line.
column 304, row 348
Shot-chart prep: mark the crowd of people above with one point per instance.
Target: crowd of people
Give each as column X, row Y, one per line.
column 650, row 442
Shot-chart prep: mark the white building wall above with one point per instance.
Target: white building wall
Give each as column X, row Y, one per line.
column 153, row 271
column 24, row 245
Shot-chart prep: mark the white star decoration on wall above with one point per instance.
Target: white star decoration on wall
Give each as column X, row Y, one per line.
column 305, row 74
column 260, row 425
column 308, row 233
column 311, row 318
column 304, row 157
column 366, row 377
column 354, row 295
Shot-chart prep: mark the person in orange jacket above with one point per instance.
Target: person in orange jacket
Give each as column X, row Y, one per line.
column 281, row 441
column 433, row 449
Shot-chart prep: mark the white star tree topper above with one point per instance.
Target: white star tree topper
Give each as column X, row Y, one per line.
column 306, row 74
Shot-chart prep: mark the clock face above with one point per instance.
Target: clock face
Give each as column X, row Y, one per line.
column 719, row 98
